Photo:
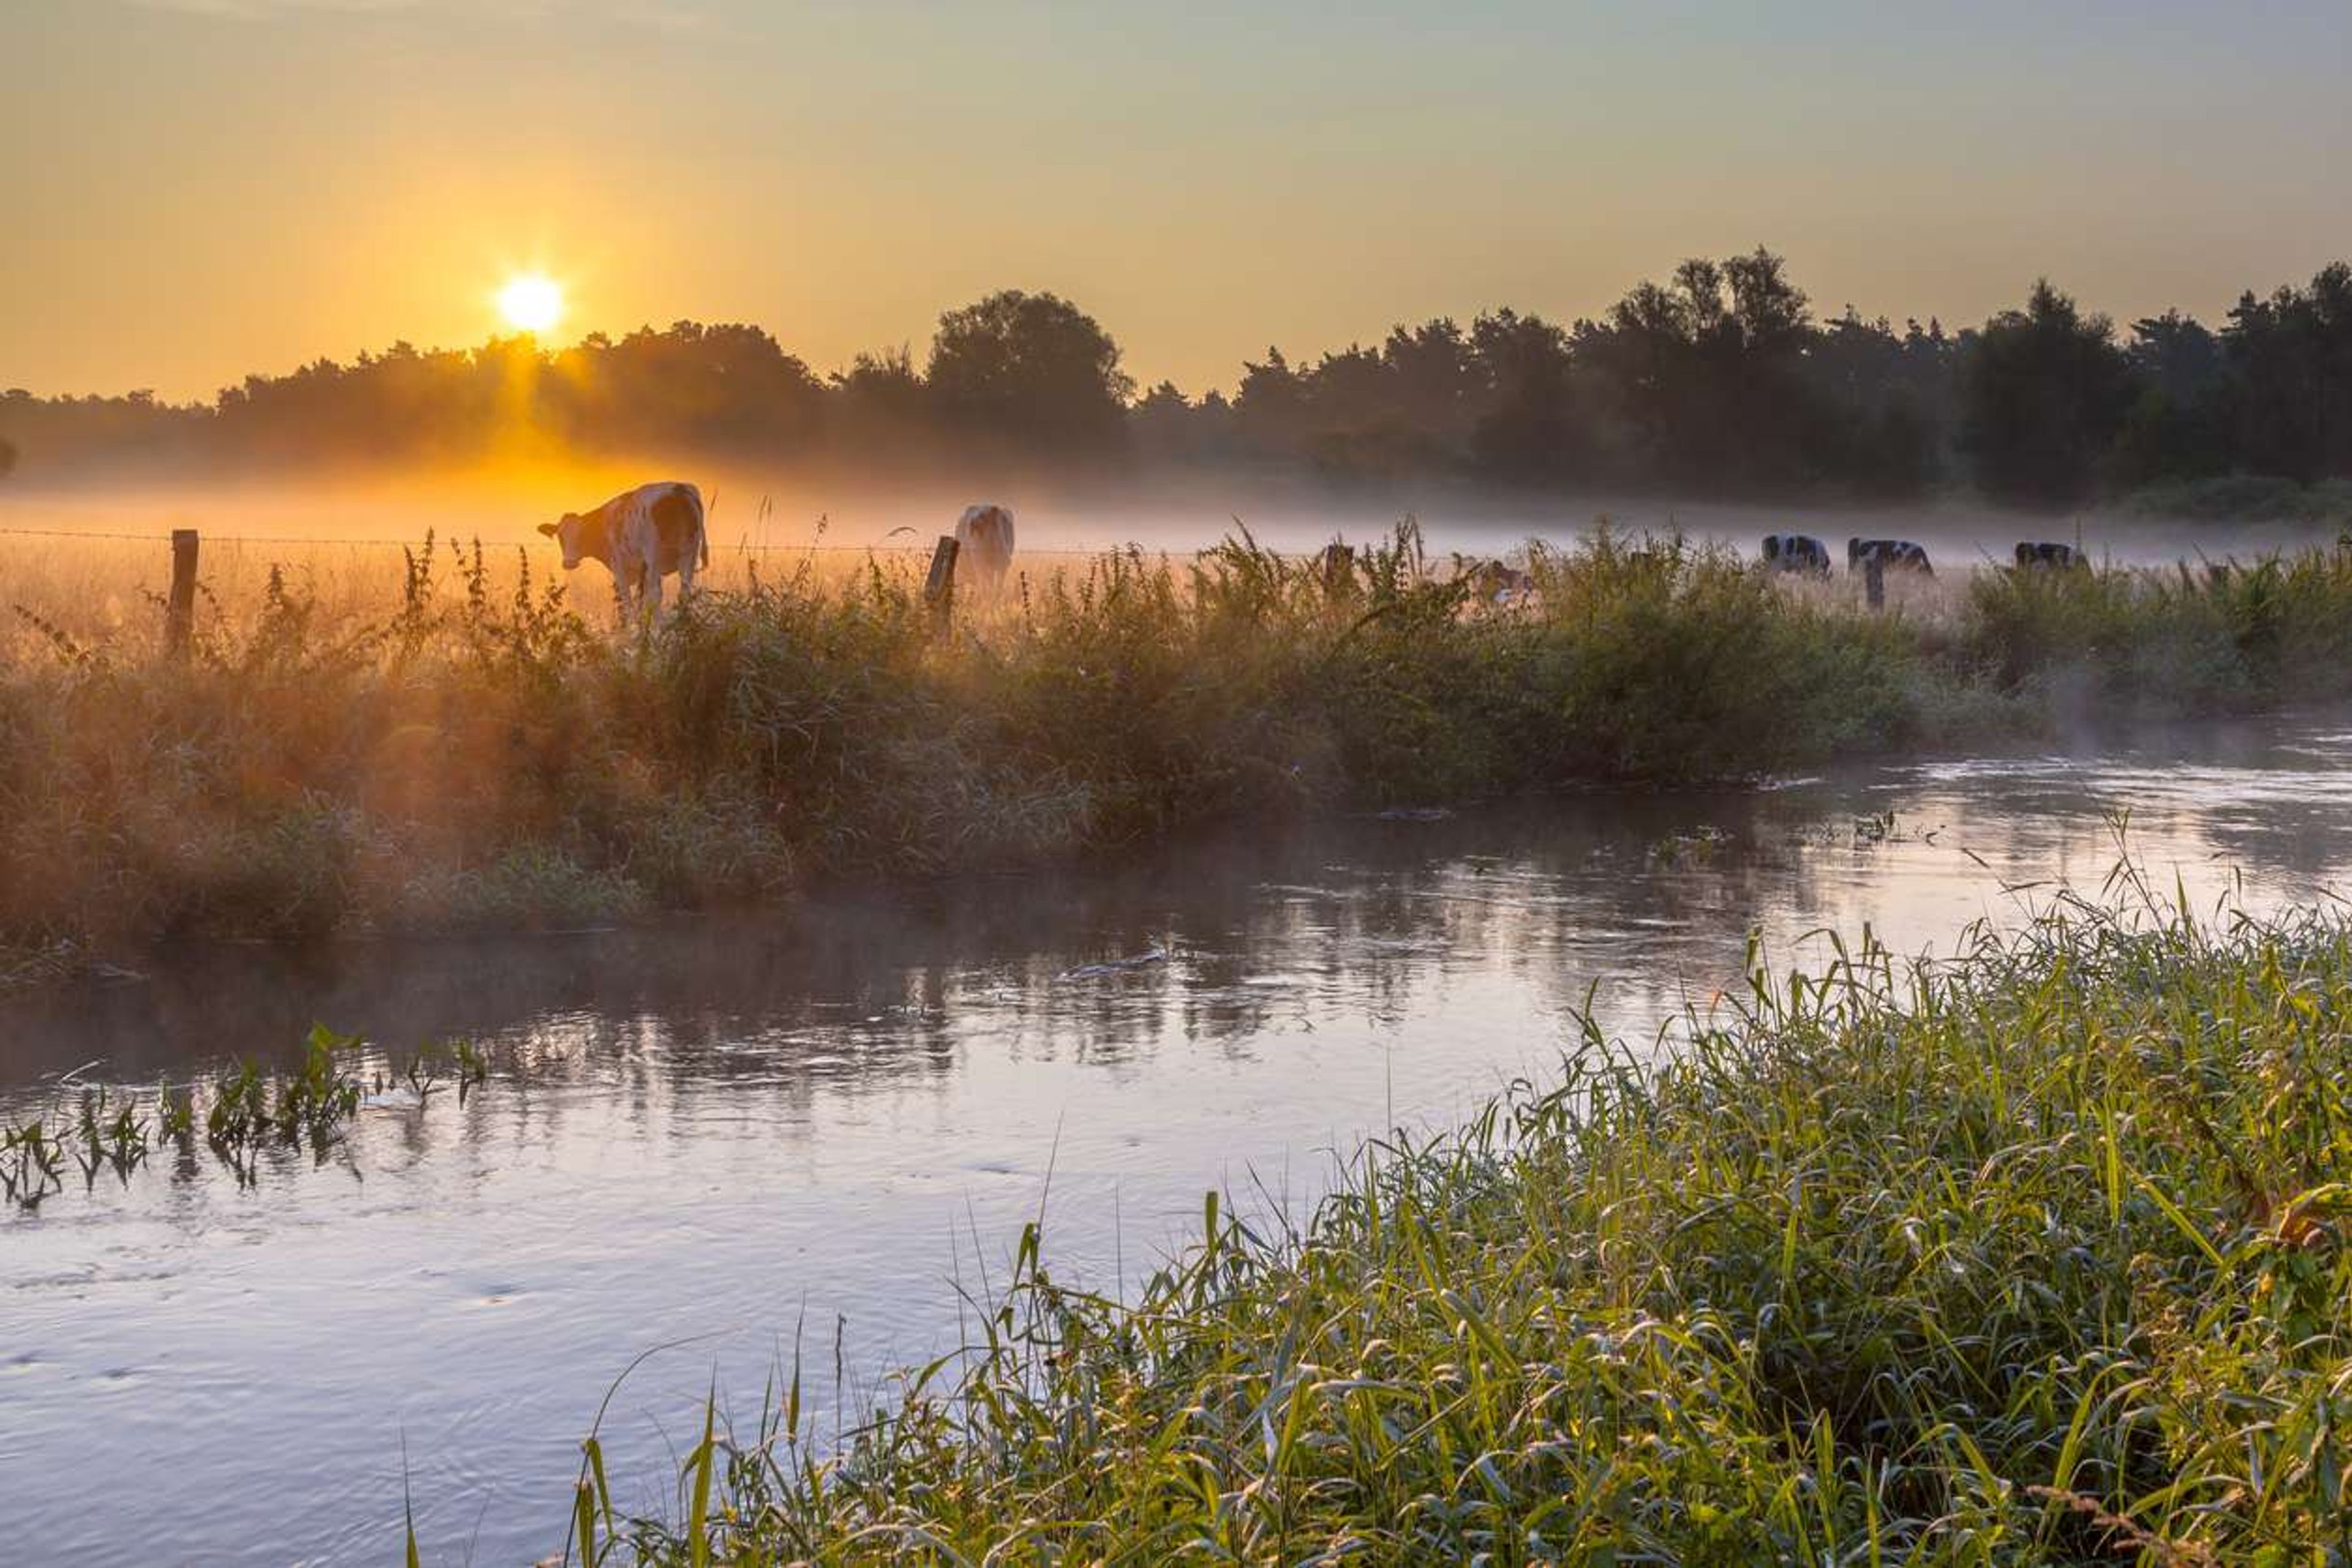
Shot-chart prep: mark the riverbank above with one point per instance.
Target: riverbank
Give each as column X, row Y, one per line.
column 2043, row 1256
column 477, row 755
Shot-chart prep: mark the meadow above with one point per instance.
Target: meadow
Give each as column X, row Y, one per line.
column 2037, row 1254
column 446, row 736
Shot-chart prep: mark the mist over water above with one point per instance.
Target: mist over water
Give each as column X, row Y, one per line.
column 754, row 1135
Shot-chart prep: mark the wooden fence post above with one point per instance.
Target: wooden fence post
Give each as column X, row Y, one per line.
column 938, row 589
column 1873, row 583
column 180, row 609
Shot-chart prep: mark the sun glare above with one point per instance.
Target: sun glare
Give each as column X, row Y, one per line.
column 531, row 301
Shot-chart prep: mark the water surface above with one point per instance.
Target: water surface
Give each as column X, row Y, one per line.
column 816, row 1127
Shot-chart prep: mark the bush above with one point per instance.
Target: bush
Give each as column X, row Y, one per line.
column 484, row 748
column 2245, row 497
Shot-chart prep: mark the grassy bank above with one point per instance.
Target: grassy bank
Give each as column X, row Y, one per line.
column 474, row 751
column 2044, row 1256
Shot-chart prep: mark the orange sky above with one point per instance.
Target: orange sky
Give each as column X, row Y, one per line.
column 196, row 188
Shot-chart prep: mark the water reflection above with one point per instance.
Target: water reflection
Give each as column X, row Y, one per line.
column 721, row 1128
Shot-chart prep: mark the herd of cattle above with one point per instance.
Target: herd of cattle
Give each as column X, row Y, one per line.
column 657, row 530
column 1802, row 552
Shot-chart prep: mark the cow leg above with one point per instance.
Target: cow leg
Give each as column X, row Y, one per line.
column 685, row 579
column 653, row 594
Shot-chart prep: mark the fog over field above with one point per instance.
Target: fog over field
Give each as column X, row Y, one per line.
column 1176, row 514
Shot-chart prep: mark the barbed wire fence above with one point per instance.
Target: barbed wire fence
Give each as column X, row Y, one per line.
column 910, row 548
column 195, row 562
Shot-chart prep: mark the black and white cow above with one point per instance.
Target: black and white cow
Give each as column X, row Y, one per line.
column 642, row 536
column 2045, row 557
column 984, row 544
column 1796, row 553
column 1892, row 555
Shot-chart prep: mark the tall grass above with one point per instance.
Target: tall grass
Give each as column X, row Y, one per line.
column 472, row 748
column 2044, row 1255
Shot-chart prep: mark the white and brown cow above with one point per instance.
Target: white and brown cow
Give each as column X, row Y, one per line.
column 642, row 536
column 1494, row 582
column 985, row 544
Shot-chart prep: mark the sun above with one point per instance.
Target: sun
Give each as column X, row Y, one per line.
column 531, row 301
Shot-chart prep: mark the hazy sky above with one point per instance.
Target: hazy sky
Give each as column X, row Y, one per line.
column 190, row 189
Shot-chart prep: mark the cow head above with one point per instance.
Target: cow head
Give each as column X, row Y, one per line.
column 566, row 533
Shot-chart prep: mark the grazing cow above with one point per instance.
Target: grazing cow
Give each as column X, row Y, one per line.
column 1892, row 555
column 642, row 535
column 1493, row 582
column 2044, row 557
column 984, row 543
column 1796, row 553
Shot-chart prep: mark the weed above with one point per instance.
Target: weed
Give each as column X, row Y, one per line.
column 470, row 751
column 2043, row 1253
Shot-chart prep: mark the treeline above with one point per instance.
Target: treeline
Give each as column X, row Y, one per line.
column 1720, row 380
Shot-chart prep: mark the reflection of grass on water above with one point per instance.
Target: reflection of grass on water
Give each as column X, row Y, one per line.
column 465, row 749
column 241, row 1111
column 2041, row 1255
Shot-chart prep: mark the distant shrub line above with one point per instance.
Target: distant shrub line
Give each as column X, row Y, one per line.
column 482, row 756
column 1720, row 380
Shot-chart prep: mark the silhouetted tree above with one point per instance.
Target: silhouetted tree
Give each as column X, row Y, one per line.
column 2044, row 391
column 1718, row 379
column 2290, row 358
column 1032, row 369
column 1525, row 430
column 1270, row 411
column 2178, row 426
column 1879, row 403
column 1169, row 426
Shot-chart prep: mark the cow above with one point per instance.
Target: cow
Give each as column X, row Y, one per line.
column 1796, row 553
column 642, row 536
column 1493, row 582
column 983, row 538
column 1891, row 554
column 2046, row 557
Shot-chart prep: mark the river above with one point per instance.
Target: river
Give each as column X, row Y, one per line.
column 817, row 1128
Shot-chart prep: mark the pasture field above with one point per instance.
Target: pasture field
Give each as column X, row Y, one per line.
column 2043, row 1253
column 446, row 736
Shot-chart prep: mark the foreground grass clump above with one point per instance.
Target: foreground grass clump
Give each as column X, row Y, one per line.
column 2044, row 1255
column 469, row 750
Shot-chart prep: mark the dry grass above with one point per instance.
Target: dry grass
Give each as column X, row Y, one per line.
column 370, row 736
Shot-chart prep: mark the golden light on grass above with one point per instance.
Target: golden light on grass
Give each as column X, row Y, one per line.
column 531, row 301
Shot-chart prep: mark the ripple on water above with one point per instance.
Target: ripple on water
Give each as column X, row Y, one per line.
column 711, row 1127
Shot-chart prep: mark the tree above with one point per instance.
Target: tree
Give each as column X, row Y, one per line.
column 2290, row 361
column 7, row 458
column 1170, row 426
column 1526, row 431
column 2178, row 426
column 2044, row 391
column 1032, row 369
column 1270, row 410
column 1705, row 375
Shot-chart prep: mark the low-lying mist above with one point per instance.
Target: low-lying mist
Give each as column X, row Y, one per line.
column 1176, row 512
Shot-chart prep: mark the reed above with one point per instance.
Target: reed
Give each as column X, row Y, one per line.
column 243, row 1112
column 2041, row 1255
column 473, row 748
